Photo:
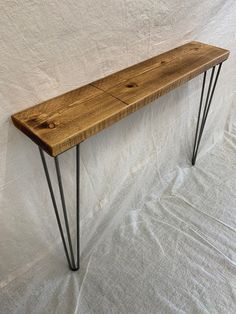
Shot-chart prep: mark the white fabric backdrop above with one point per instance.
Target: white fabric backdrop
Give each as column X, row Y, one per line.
column 48, row 48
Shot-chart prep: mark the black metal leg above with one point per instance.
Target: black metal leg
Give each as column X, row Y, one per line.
column 203, row 116
column 70, row 257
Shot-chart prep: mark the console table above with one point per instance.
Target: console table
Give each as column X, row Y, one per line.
column 65, row 121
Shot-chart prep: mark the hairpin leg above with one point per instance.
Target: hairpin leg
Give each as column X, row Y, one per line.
column 69, row 253
column 203, row 116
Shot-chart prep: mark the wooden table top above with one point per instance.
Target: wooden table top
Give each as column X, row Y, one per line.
column 64, row 121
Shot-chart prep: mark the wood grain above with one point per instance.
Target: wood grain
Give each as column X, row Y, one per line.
column 63, row 122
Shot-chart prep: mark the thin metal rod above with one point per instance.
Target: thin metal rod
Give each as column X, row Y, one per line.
column 208, row 91
column 54, row 204
column 70, row 257
column 78, row 203
column 213, row 90
column 205, row 112
column 64, row 211
column 207, row 107
column 199, row 114
column 208, row 101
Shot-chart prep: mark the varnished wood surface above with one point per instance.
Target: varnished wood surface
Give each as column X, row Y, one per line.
column 62, row 122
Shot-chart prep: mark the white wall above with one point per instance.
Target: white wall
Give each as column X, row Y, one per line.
column 50, row 47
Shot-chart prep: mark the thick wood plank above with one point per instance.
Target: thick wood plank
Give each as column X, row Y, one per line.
column 193, row 48
column 144, row 88
column 62, row 122
column 57, row 126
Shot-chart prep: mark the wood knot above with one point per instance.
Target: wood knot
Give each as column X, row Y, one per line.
column 130, row 85
column 51, row 125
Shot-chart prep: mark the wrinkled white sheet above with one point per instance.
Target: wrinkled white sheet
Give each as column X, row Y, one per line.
column 176, row 251
column 156, row 234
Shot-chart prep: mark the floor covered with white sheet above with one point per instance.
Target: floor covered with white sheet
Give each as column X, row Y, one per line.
column 175, row 253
